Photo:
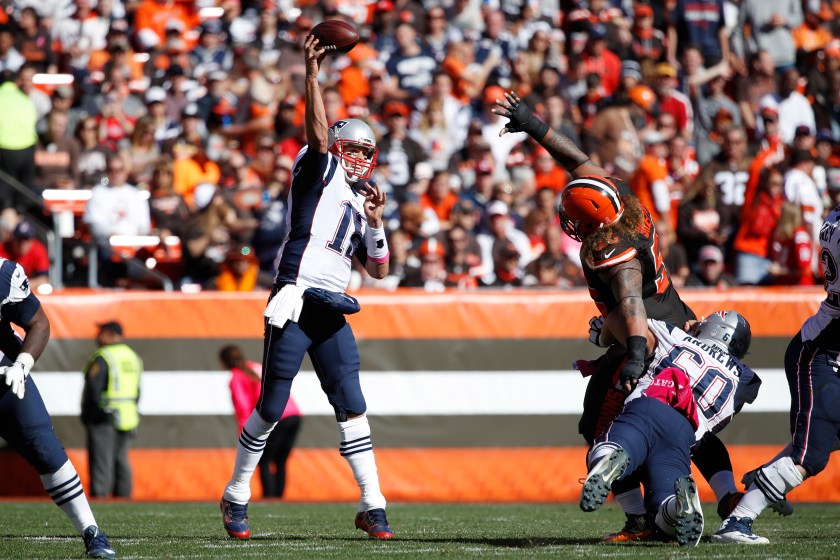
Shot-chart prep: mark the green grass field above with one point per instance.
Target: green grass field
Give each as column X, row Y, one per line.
column 280, row 530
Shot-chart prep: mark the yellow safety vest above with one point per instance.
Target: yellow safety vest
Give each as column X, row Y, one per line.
column 123, row 390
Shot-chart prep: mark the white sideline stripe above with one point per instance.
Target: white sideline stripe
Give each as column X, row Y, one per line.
column 165, row 393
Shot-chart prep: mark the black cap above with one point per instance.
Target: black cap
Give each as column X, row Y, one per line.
column 111, row 326
column 24, row 230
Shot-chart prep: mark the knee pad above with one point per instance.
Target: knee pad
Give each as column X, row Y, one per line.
column 347, row 399
column 778, row 478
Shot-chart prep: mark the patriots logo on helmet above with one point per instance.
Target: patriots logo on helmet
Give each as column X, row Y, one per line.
column 338, row 125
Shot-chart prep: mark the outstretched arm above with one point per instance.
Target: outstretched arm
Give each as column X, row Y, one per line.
column 563, row 150
column 315, row 116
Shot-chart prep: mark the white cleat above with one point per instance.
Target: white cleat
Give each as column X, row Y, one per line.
column 737, row 530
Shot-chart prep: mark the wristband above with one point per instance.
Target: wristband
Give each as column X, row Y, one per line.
column 636, row 348
column 535, row 128
column 26, row 360
column 377, row 245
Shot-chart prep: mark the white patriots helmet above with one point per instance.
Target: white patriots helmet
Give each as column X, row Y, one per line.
column 728, row 330
column 353, row 132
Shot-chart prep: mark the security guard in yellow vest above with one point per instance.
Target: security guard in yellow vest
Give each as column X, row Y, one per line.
column 109, row 411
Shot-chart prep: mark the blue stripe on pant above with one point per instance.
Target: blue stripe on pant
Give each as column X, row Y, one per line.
column 25, row 424
column 814, row 402
column 328, row 339
column 658, row 437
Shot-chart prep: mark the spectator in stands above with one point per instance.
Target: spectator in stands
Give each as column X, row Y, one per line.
column 437, row 137
column 673, row 254
column 411, row 66
column 440, row 198
column 24, row 249
column 117, row 207
column 648, row 45
column 93, row 157
column 500, row 228
column 396, row 149
column 57, row 156
column 431, row 273
column 598, row 59
column 759, row 220
column 463, row 261
column 728, row 173
column 17, row 136
column 672, row 100
column 63, row 98
column 791, row 250
column 650, row 182
column 207, row 236
column 507, row 271
column 771, row 23
column 613, row 140
column 34, row 42
column 793, row 107
column 710, row 273
column 699, row 221
column 10, row 57
column 698, row 23
column 239, row 271
column 141, row 152
column 192, row 167
column 801, row 189
column 168, row 210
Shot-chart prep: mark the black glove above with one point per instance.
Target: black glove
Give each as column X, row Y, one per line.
column 634, row 367
column 523, row 120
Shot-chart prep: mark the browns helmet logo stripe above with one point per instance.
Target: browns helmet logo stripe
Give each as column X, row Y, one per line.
column 588, row 204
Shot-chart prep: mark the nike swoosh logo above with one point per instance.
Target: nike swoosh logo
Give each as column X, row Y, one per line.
column 608, row 255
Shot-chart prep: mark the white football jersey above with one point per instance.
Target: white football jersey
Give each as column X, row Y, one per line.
column 721, row 384
column 325, row 225
column 824, row 326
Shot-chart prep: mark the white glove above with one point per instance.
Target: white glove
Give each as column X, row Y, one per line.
column 596, row 324
column 17, row 372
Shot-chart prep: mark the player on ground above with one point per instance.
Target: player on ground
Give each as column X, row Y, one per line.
column 333, row 215
column 692, row 388
column 24, row 421
column 811, row 365
column 625, row 273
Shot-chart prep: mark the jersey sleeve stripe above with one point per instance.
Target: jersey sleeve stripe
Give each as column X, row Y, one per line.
column 627, row 255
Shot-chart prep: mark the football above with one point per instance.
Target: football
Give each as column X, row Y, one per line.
column 336, row 35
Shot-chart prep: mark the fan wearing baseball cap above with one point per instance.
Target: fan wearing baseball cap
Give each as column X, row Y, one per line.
column 23, row 248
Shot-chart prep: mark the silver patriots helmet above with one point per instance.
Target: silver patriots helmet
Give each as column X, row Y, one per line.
column 728, row 330
column 353, row 132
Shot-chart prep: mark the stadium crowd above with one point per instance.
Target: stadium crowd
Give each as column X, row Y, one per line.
column 183, row 118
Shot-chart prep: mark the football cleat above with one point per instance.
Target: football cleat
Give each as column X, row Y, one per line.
column 235, row 519
column 738, row 530
column 636, row 528
column 728, row 503
column 783, row 507
column 375, row 524
column 96, row 543
column 689, row 521
column 597, row 485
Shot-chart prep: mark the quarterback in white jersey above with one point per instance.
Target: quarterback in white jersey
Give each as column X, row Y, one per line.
column 812, row 360
column 692, row 386
column 334, row 215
